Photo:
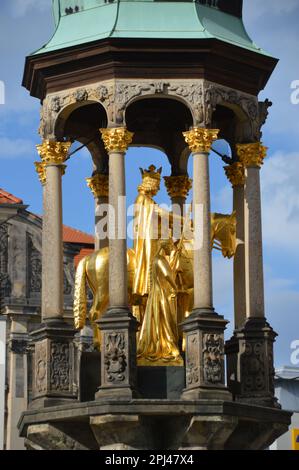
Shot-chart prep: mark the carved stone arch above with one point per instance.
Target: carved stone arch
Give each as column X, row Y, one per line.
column 244, row 106
column 166, row 96
column 159, row 122
column 64, row 115
column 56, row 106
column 81, row 122
column 187, row 92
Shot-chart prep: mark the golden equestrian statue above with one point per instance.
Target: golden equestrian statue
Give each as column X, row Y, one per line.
column 160, row 275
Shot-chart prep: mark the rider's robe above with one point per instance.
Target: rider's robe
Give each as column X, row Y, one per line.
column 158, row 338
column 151, row 223
column 146, row 222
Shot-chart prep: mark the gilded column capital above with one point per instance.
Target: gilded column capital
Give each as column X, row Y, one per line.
column 252, row 155
column 53, row 153
column 99, row 185
column 235, row 173
column 200, row 139
column 116, row 139
column 178, row 186
column 41, row 171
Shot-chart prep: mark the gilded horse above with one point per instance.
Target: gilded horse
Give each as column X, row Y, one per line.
column 93, row 271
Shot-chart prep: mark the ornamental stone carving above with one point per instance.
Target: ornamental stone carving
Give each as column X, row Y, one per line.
column 115, row 357
column 40, row 370
column 253, row 367
column 200, row 96
column 54, row 104
column 60, row 367
column 192, row 366
column 5, row 283
column 69, row 276
column 213, row 353
column 34, row 263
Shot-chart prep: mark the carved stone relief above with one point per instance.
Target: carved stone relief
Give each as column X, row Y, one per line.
column 5, row 282
column 192, row 366
column 213, row 353
column 115, row 357
column 253, row 367
column 68, row 277
column 34, row 263
column 201, row 97
column 40, row 371
column 54, row 104
column 60, row 367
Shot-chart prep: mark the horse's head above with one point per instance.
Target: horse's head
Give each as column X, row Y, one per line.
column 224, row 233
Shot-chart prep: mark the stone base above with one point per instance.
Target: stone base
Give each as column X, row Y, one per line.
column 206, row 394
column 250, row 371
column 118, row 354
column 205, row 376
column 53, row 380
column 154, row 425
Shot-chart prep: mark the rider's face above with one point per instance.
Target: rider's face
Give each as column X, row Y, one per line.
column 156, row 188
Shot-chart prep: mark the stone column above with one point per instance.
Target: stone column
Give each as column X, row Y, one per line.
column 118, row 326
column 204, row 328
column 254, row 371
column 17, row 399
column 252, row 156
column 53, row 358
column 99, row 185
column 236, row 175
column 53, row 155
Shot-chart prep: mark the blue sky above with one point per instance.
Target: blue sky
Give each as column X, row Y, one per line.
column 273, row 24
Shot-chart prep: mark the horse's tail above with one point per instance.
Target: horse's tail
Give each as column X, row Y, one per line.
column 80, row 303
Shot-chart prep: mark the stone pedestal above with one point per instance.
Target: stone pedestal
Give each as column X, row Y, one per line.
column 121, row 432
column 205, row 376
column 250, row 367
column 155, row 425
column 211, row 433
column 118, row 358
column 53, row 365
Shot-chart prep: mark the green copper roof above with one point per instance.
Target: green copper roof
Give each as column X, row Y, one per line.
column 82, row 21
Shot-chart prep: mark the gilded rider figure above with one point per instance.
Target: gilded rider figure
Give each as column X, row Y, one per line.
column 158, row 340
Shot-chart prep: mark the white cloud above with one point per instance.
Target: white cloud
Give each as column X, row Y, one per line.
column 280, row 201
column 21, row 7
column 280, row 176
column 255, row 8
column 14, row 148
column 282, row 301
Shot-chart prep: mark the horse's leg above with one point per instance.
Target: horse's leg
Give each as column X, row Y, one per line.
column 100, row 305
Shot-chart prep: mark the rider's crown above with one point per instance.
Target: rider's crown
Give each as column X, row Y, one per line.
column 151, row 173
